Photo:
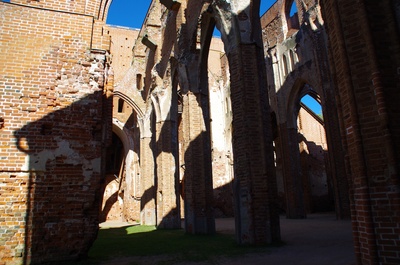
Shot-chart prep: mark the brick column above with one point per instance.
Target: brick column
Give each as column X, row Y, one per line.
column 131, row 207
column 148, row 202
column 336, row 164
column 255, row 191
column 198, row 173
column 168, row 203
column 365, row 59
column 292, row 173
column 336, row 159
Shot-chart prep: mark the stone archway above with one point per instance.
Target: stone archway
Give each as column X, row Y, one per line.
column 317, row 180
column 253, row 160
column 295, row 179
column 113, row 196
column 126, row 180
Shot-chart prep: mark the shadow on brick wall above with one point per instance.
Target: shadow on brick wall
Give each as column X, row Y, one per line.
column 65, row 159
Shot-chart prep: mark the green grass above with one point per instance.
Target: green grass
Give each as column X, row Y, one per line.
column 137, row 241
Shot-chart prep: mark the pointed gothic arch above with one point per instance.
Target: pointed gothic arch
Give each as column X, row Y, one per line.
column 240, row 29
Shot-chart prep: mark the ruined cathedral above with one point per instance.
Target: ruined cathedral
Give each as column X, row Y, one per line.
column 171, row 123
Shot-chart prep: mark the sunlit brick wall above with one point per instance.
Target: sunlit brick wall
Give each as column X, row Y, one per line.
column 51, row 94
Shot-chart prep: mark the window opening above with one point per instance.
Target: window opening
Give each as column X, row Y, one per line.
column 313, row 105
column 120, row 105
column 139, row 84
column 216, row 32
column 293, row 9
column 292, row 61
column 285, row 66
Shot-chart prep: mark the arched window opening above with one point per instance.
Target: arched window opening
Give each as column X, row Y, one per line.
column 313, row 149
column 297, row 53
column 293, row 9
column 285, row 66
column 180, row 101
column 292, row 59
column 139, row 82
column 120, row 105
column 313, row 105
column 115, row 170
column 213, row 72
column 292, row 16
column 216, row 32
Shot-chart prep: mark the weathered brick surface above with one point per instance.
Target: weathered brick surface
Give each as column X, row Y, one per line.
column 13, row 208
column 313, row 153
column 148, row 190
column 168, row 204
column 197, row 177
column 39, row 68
column 122, row 41
column 255, row 180
column 297, row 64
column 55, row 116
column 67, row 6
column 51, row 93
column 125, row 127
column 356, row 34
column 112, row 206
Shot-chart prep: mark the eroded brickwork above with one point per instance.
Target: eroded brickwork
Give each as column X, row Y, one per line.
column 55, row 120
column 122, row 42
column 367, row 85
column 297, row 65
column 51, row 158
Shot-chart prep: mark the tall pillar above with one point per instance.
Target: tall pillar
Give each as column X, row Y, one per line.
column 365, row 66
column 167, row 159
column 132, row 193
column 336, row 163
column 337, row 167
column 254, row 184
column 148, row 202
column 292, row 173
column 197, row 180
column 255, row 189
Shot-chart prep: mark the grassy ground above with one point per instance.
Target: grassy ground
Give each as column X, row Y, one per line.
column 146, row 241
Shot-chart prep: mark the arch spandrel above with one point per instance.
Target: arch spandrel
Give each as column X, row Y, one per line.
column 238, row 22
column 139, row 111
column 127, row 89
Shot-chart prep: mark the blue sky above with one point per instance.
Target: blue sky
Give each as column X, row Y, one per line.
column 312, row 104
column 130, row 13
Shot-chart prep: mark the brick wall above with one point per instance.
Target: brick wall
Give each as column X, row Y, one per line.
column 197, row 177
column 255, row 181
column 126, row 128
column 364, row 49
column 122, row 42
column 51, row 151
column 51, row 87
column 67, row 6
